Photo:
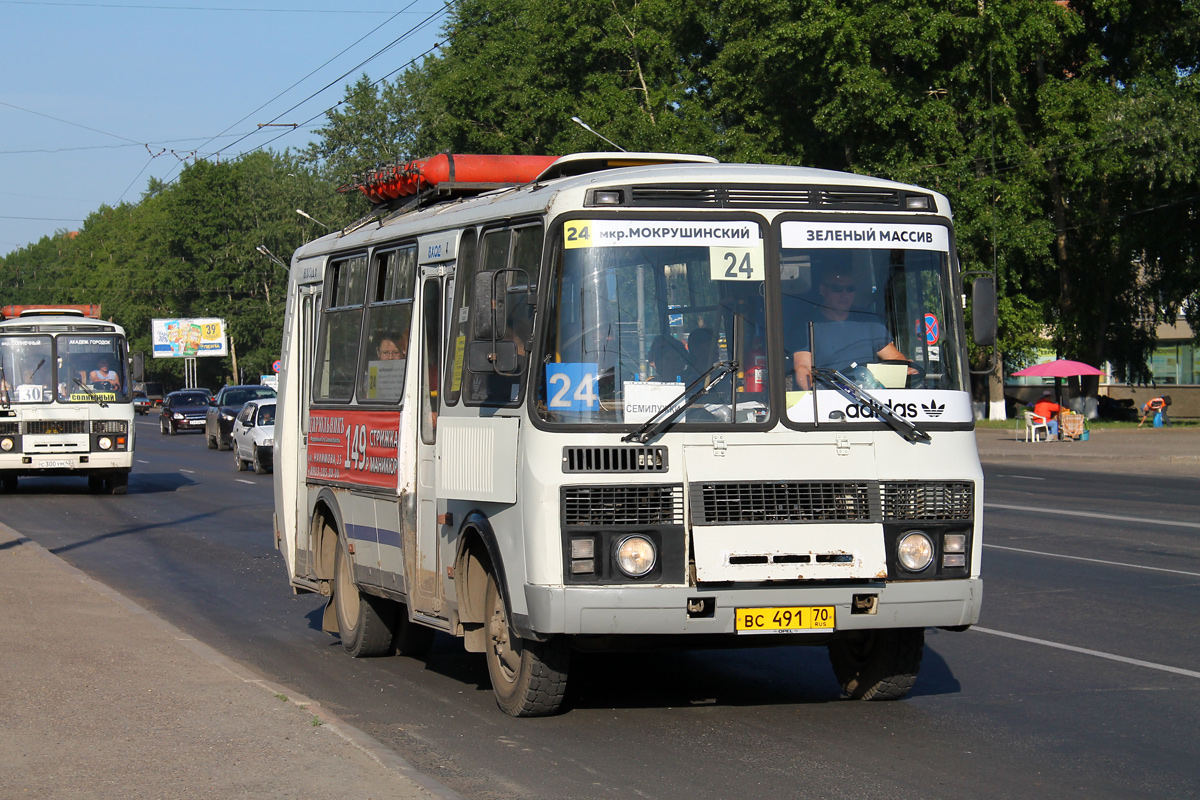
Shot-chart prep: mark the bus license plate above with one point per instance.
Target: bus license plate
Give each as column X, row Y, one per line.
column 784, row 619
column 58, row 463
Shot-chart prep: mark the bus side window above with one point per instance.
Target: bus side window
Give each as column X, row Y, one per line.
column 457, row 323
column 389, row 310
column 340, row 327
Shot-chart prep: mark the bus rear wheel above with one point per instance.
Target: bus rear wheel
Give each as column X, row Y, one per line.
column 877, row 664
column 365, row 622
column 529, row 678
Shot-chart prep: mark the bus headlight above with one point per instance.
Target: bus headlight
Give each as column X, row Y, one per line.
column 6, row 444
column 104, row 443
column 636, row 556
column 915, row 551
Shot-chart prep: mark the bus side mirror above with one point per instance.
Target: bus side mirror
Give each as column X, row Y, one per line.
column 487, row 319
column 983, row 310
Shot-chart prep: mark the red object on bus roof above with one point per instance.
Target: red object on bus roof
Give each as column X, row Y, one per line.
column 90, row 310
column 403, row 180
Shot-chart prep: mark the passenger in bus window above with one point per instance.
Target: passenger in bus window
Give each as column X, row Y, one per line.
column 847, row 338
column 392, row 348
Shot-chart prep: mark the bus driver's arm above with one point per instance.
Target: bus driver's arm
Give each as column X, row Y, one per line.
column 802, row 365
column 892, row 353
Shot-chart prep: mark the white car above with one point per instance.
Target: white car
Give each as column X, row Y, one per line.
column 254, row 436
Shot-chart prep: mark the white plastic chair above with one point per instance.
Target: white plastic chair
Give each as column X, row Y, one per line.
column 1034, row 423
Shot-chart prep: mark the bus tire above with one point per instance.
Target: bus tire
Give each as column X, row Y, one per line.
column 411, row 639
column 529, row 678
column 877, row 664
column 365, row 622
column 118, row 483
column 9, row 482
column 95, row 483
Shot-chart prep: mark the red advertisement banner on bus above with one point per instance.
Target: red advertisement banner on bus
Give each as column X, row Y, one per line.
column 352, row 446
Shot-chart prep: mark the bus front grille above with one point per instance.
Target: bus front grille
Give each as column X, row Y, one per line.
column 614, row 459
column 768, row 502
column 9, row 428
column 622, row 505
column 44, row 426
column 925, row 500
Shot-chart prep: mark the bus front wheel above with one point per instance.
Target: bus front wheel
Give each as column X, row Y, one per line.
column 877, row 664
column 529, row 677
column 365, row 622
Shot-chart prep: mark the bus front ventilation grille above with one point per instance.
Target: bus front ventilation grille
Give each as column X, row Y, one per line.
column 594, row 506
column 10, row 428
column 781, row 502
column 614, row 459
column 36, row 426
column 861, row 198
column 927, row 500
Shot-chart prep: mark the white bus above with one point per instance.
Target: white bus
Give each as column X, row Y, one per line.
column 629, row 399
column 64, row 399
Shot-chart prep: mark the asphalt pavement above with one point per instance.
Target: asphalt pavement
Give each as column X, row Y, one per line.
column 101, row 699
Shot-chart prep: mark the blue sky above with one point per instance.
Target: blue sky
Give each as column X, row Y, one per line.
column 93, row 92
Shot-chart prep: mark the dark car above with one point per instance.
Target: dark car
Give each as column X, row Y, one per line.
column 183, row 411
column 224, row 408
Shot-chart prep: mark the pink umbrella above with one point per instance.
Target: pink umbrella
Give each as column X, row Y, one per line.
column 1062, row 368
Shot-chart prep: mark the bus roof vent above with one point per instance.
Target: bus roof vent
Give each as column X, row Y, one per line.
column 614, row 459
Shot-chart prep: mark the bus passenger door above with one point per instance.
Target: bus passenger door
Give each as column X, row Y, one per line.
column 309, row 307
column 425, row 593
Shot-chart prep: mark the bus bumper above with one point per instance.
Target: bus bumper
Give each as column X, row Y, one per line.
column 661, row 610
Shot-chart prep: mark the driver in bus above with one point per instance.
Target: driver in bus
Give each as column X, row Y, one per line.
column 847, row 339
column 104, row 373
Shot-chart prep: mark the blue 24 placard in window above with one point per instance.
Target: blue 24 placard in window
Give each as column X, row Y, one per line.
column 572, row 387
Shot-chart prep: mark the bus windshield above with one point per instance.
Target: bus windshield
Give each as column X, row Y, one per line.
column 642, row 308
column 91, row 368
column 26, row 369
column 869, row 300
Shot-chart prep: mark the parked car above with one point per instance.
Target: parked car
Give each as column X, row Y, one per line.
column 183, row 410
column 141, row 403
column 224, row 408
column 254, row 436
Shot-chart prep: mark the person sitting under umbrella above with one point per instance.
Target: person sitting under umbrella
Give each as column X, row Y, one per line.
column 1048, row 410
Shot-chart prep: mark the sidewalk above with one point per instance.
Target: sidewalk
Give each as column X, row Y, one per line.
column 1154, row 451
column 101, row 699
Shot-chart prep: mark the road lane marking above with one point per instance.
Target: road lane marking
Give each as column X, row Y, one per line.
column 1092, row 515
column 142, row 461
column 243, row 480
column 1097, row 653
column 1023, row 477
column 1096, row 560
column 188, row 471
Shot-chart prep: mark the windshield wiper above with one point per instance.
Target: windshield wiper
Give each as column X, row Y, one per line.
column 90, row 393
column 835, row 379
column 667, row 414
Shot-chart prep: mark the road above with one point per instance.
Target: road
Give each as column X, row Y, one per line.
column 1080, row 681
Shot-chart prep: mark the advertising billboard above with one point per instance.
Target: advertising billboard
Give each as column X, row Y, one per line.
column 188, row 338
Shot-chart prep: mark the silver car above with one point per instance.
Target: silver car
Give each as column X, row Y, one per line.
column 254, row 436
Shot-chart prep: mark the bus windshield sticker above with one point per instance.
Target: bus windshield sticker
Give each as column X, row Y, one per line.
column 916, row 406
column 572, row 387
column 644, row 399
column 736, row 264
column 385, row 379
column 660, row 233
column 864, row 236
